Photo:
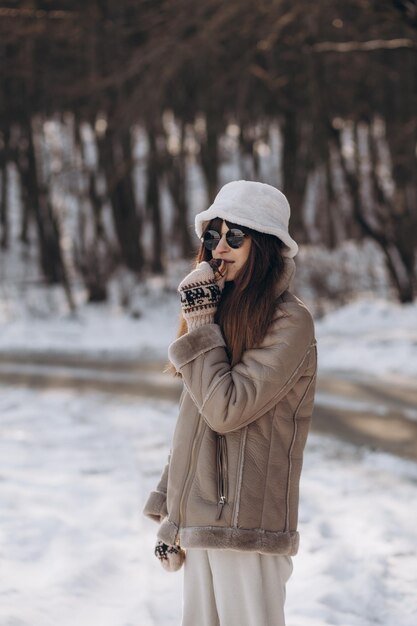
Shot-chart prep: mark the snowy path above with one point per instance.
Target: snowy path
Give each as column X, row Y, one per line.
column 75, row 469
column 370, row 410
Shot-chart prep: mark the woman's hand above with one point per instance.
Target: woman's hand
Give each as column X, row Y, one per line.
column 200, row 294
column 170, row 557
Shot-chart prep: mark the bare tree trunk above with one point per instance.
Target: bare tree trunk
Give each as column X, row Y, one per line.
column 50, row 253
column 4, row 222
column 386, row 238
column 331, row 236
column 116, row 161
column 92, row 253
column 176, row 175
column 402, row 142
column 210, row 155
column 21, row 165
column 52, row 262
column 153, row 201
column 247, row 150
column 314, row 134
column 94, row 197
column 295, row 172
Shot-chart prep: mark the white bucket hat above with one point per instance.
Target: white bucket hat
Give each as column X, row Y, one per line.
column 255, row 205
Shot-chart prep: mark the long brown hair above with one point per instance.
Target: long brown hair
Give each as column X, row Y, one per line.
column 248, row 303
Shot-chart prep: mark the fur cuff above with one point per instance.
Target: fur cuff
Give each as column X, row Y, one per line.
column 156, row 506
column 168, row 532
column 190, row 346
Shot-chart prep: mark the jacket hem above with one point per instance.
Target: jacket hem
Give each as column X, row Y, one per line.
column 251, row 540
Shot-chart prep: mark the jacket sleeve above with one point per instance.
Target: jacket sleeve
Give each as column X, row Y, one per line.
column 228, row 397
column 156, row 504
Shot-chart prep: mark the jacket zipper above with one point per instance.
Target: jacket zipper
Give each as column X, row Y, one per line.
column 221, row 474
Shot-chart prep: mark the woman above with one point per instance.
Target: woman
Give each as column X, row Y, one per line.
column 247, row 357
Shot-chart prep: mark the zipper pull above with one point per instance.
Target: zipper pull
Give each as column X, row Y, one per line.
column 220, row 506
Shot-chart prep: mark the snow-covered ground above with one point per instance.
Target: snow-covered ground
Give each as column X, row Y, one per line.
column 76, row 468
column 372, row 337
column 143, row 332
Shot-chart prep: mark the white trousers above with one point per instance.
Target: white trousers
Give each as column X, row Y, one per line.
column 231, row 588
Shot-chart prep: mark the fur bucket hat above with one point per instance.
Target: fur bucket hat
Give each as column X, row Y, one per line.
column 255, row 205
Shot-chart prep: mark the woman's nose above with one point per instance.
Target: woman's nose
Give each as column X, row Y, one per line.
column 222, row 246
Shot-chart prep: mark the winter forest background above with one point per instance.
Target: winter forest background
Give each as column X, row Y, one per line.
column 119, row 121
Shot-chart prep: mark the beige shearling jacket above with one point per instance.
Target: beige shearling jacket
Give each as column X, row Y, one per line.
column 232, row 478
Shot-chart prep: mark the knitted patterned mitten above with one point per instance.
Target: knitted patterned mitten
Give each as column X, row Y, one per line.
column 200, row 293
column 171, row 557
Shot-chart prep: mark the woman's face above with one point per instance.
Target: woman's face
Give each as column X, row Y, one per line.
column 234, row 258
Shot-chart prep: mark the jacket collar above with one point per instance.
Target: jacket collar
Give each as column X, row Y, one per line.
column 286, row 277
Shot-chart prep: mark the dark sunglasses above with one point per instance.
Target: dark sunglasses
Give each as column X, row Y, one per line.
column 234, row 238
